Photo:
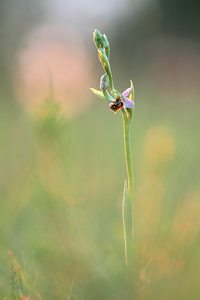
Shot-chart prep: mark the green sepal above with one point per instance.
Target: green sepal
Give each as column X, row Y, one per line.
column 98, row 93
column 116, row 94
column 108, row 96
column 130, row 97
column 132, row 92
column 103, row 94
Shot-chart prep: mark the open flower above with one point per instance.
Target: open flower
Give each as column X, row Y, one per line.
column 123, row 101
column 117, row 101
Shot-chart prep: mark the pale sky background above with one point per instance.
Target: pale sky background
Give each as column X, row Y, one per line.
column 88, row 13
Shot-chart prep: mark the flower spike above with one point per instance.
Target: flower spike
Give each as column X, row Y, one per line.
column 123, row 102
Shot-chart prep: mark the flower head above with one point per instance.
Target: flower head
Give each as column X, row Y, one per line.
column 122, row 102
column 117, row 101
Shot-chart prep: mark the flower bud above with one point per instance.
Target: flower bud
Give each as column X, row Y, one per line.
column 97, row 37
column 104, row 60
column 104, row 82
column 105, row 64
column 101, row 41
column 106, row 45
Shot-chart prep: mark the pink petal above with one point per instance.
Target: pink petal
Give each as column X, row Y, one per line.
column 127, row 103
column 126, row 92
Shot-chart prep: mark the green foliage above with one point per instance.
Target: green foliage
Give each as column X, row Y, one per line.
column 60, row 207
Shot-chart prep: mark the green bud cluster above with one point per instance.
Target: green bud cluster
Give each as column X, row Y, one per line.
column 101, row 41
column 103, row 48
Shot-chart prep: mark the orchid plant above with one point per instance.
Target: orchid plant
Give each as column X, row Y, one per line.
column 123, row 102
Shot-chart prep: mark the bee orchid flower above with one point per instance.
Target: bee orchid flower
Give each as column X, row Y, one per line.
column 117, row 101
column 122, row 102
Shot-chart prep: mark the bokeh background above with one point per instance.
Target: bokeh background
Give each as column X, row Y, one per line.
column 61, row 150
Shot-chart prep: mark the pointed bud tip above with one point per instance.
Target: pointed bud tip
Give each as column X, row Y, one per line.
column 97, row 37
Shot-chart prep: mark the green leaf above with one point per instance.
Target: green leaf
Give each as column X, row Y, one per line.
column 127, row 224
column 98, row 93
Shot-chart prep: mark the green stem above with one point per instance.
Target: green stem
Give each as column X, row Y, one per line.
column 128, row 156
column 128, row 191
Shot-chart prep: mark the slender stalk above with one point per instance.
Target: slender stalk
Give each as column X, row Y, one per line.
column 128, row 193
column 128, row 156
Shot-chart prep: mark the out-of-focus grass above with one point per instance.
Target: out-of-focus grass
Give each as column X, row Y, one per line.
column 61, row 188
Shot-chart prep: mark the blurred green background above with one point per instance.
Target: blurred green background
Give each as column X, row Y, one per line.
column 61, row 151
